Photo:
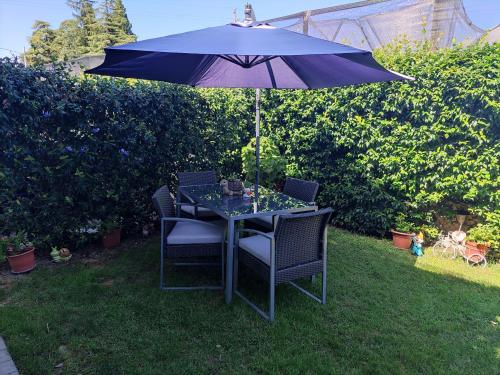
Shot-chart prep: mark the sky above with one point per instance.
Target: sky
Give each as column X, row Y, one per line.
column 152, row 18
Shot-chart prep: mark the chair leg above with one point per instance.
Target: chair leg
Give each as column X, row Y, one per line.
column 261, row 312
column 266, row 315
column 323, row 285
column 272, row 289
column 321, row 300
column 163, row 275
column 162, row 256
column 223, row 275
column 236, row 268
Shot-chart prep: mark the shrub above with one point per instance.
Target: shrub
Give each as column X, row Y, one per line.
column 386, row 148
column 403, row 225
column 272, row 163
column 74, row 151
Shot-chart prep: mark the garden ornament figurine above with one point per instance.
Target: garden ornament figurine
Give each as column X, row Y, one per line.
column 416, row 244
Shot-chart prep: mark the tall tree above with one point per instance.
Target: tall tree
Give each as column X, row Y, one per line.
column 84, row 34
column 93, row 32
column 68, row 40
column 41, row 50
column 118, row 25
column 106, row 15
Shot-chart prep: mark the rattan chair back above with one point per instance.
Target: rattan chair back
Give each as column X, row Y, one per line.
column 197, row 178
column 299, row 238
column 301, row 189
column 164, row 205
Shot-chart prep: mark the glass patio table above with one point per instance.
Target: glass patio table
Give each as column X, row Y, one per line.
column 235, row 208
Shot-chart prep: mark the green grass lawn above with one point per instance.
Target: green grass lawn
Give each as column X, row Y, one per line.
column 387, row 312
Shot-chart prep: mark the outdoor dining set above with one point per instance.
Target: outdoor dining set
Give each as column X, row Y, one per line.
column 279, row 237
column 255, row 55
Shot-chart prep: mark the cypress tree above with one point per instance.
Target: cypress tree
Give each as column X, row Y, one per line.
column 119, row 26
column 68, row 40
column 93, row 33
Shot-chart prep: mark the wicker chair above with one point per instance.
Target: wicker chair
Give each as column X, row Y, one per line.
column 183, row 238
column 297, row 249
column 195, row 178
column 300, row 189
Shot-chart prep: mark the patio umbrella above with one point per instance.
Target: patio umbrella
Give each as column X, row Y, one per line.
column 245, row 55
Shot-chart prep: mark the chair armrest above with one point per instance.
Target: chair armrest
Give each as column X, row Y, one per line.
column 186, row 204
column 272, row 245
column 181, row 219
column 253, row 231
column 187, row 197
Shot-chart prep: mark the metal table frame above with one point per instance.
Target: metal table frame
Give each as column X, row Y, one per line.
column 231, row 223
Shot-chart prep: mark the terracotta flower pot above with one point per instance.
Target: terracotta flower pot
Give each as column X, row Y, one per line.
column 23, row 262
column 401, row 240
column 472, row 248
column 112, row 239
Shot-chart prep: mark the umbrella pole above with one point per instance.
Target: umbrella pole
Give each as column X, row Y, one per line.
column 257, row 141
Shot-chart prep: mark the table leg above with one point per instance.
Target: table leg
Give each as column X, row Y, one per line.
column 229, row 261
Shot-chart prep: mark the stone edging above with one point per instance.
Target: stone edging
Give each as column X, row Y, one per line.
column 7, row 366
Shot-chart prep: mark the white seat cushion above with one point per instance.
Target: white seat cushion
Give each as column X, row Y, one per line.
column 184, row 233
column 259, row 246
column 202, row 211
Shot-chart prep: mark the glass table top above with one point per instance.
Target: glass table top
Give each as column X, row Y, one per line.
column 269, row 202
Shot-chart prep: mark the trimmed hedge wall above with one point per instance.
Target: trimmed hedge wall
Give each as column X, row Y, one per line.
column 420, row 148
column 75, row 150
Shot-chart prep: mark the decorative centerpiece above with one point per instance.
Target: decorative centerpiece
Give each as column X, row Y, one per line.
column 232, row 186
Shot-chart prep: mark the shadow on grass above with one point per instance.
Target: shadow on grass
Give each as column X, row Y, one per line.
column 383, row 315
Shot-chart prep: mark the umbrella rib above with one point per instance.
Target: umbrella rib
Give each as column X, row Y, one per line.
column 229, row 58
column 271, row 74
column 203, row 69
column 264, row 59
column 253, row 60
column 293, row 70
column 235, row 59
column 242, row 63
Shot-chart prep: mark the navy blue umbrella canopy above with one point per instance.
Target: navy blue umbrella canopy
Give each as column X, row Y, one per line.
column 247, row 55
column 250, row 56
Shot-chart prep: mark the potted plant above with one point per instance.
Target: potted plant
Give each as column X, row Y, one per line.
column 401, row 236
column 480, row 238
column 111, row 231
column 20, row 252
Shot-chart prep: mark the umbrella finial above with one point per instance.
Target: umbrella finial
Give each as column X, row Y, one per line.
column 249, row 14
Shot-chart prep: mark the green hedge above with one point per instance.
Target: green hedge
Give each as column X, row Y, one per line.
column 75, row 150
column 416, row 147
